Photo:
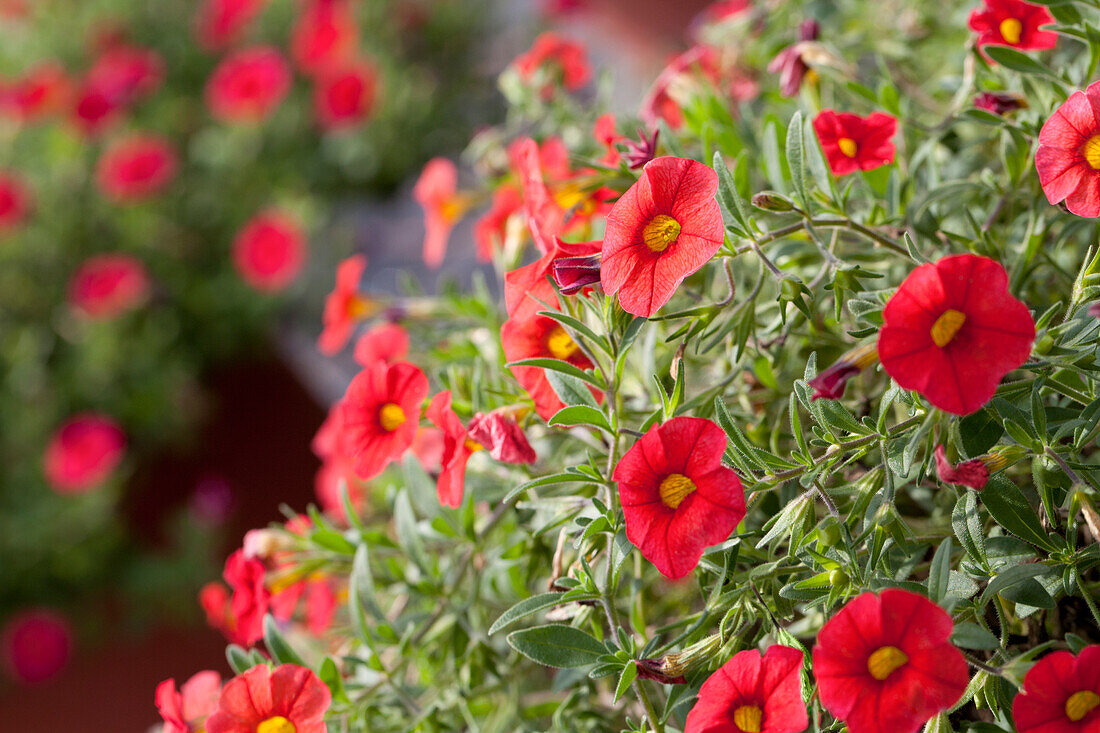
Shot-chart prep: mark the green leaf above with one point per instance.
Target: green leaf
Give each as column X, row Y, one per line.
column 730, row 197
column 581, row 415
column 796, row 160
column 361, row 583
column 277, row 646
column 556, row 478
column 1010, row 508
column 939, row 575
column 330, row 675
column 557, row 365
column 240, row 661
column 1010, row 577
column 526, row 607
column 630, row 672
column 1010, row 58
column 570, row 390
column 557, row 645
column 968, row 527
column 971, row 636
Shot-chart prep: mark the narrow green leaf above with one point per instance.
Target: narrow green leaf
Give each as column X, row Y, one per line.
column 570, row 390
column 1010, row 508
column 557, row 645
column 277, row 646
column 525, row 608
column 630, row 672
column 796, row 160
column 581, row 415
column 564, row 367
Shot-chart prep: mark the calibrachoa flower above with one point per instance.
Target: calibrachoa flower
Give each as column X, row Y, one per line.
column 574, row 274
column 248, row 85
column 1068, row 156
column 952, row 331
column 539, row 337
column 136, row 168
column 123, row 73
column 43, row 90
column 752, row 694
column 36, row 644
column 604, row 132
column 83, row 452
column 502, row 436
column 344, row 96
column 338, row 467
column 291, row 699
column 457, row 449
column 678, row 498
column 1061, row 694
column 269, row 251
column 491, row 228
column 1013, row 23
column 1000, row 103
column 219, row 23
column 437, row 192
column 853, row 143
column 386, row 342
column 185, row 710
column 15, row 201
column 325, row 35
column 665, row 227
column 108, row 285
column 239, row 617
column 381, row 412
column 884, row 663
column 790, row 63
column 830, row 383
column 344, row 305
column 565, row 59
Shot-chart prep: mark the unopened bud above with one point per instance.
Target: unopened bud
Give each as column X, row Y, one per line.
column 771, row 201
column 573, row 274
column 830, row 383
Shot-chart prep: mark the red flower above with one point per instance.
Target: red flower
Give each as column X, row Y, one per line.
column 219, row 23
column 136, row 168
column 1061, row 694
column 952, row 331
column 830, row 384
column 83, row 452
column 790, row 63
column 853, row 143
column 15, row 202
column 605, row 134
column 344, row 305
column 1068, row 156
column 269, row 251
column 386, row 342
column 574, row 274
column 338, row 468
column 381, row 412
column 539, row 337
column 108, row 285
column 248, row 85
column 457, row 449
column 526, row 289
column 973, row 473
column 1013, row 23
column 93, row 111
column 290, row 699
column 251, row 598
column 36, row 644
column 502, row 436
column 665, row 227
column 491, row 229
column 345, row 96
column 41, row 91
column 564, row 59
column 752, row 694
column 678, row 498
column 884, row 664
column 185, row 710
column 437, row 192
column 324, row 35
column 1000, row 103
column 124, row 73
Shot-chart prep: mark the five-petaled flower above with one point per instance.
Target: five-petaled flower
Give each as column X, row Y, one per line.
column 1068, row 156
column 269, row 250
column 186, row 709
column 344, row 96
column 884, row 663
column 853, row 143
column 387, row 342
column 664, row 228
column 344, row 306
column 678, row 498
column 540, row 337
column 1013, row 23
column 1061, row 694
column 83, row 452
column 135, row 168
column 381, row 412
column 753, row 694
column 952, row 330
column 291, row 699
column 248, row 85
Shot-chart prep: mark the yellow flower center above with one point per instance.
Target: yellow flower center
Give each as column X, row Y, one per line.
column 560, row 344
column 884, row 660
column 1091, row 151
column 747, row 718
column 946, row 326
column 661, row 231
column 359, row 307
column 569, row 195
column 1081, row 704
column 278, row 724
column 455, row 207
column 391, row 417
column 1011, row 29
column 675, row 488
column 473, row 446
column 847, row 146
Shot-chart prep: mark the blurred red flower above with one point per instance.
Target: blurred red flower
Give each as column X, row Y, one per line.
column 678, row 498
column 1013, row 23
column 344, row 306
column 853, row 143
column 565, row 60
column 491, row 228
column 1061, row 694
column 457, row 449
column 500, row 434
column 83, row 452
column 105, row 286
column 381, row 412
column 136, row 168
column 186, row 709
column 1068, row 156
column 884, row 664
column 606, row 135
column 1000, row 103
column 830, row 383
column 270, row 250
column 248, row 85
column 15, row 202
column 325, row 35
column 338, row 468
column 790, row 63
column 124, row 73
column 291, row 699
column 386, row 342
column 345, row 96
column 437, row 192
column 219, row 23
column 36, row 644
column 540, row 337
column 752, row 694
column 665, row 227
column 43, row 90
column 952, row 330
column 241, row 616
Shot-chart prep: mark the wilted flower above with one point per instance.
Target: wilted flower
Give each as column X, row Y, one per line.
column 830, row 384
column 974, row 473
column 1000, row 103
column 790, row 63
column 643, row 150
column 574, row 274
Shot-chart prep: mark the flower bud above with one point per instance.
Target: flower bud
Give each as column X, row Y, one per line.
column 975, row 473
column 502, row 436
column 573, row 274
column 772, row 201
column 830, row 383
column 671, row 668
column 1000, row 103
